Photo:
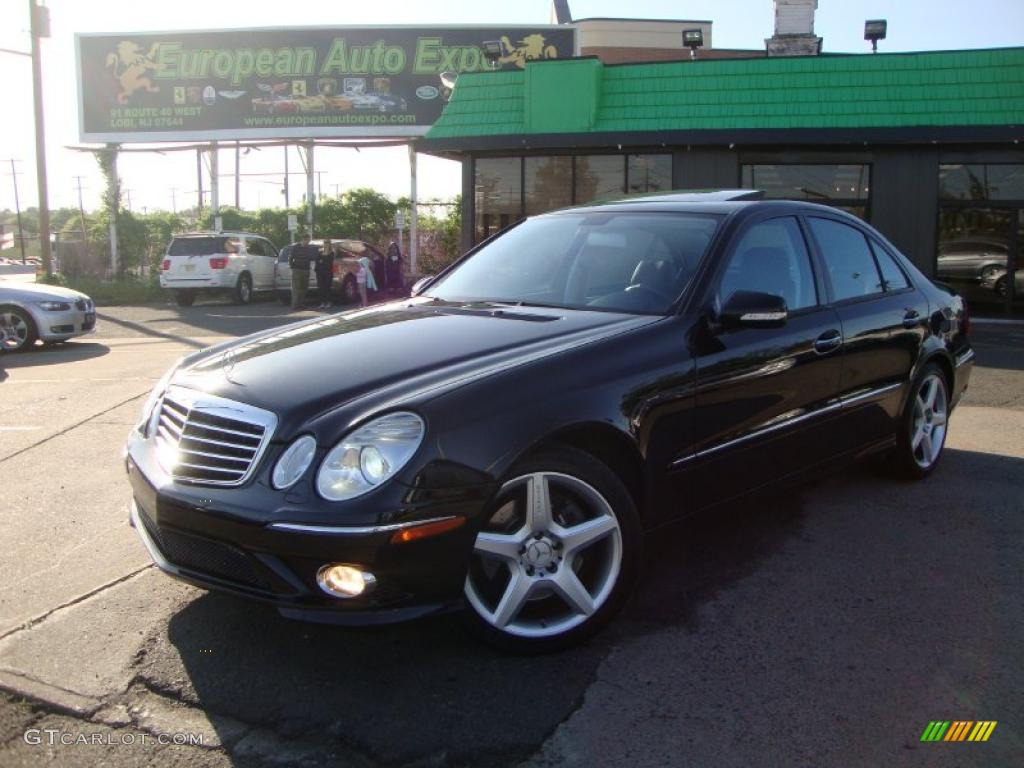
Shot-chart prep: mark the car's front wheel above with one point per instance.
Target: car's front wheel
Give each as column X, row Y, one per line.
column 557, row 556
column 925, row 419
column 17, row 331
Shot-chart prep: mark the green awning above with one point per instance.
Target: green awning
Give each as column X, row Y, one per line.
column 582, row 100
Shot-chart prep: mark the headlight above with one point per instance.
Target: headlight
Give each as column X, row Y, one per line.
column 54, row 306
column 369, row 456
column 294, row 462
column 154, row 397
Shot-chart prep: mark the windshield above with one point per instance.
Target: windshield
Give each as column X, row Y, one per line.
column 625, row 262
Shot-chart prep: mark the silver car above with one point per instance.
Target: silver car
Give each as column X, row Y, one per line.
column 30, row 311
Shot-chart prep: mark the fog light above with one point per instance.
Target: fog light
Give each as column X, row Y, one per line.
column 344, row 580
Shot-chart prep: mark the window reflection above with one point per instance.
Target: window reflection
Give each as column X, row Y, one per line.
column 981, row 182
column 599, row 177
column 548, row 184
column 497, row 193
column 843, row 186
column 649, row 173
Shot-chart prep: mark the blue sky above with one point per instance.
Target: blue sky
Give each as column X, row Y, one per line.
column 913, row 25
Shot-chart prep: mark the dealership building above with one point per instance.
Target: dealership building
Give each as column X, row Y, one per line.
column 925, row 146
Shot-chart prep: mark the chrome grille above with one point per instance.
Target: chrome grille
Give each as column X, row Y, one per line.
column 208, row 440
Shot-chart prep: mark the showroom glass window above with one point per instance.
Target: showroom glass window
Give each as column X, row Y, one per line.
column 981, row 233
column 649, row 173
column 497, row 195
column 599, row 177
column 843, row 186
column 506, row 189
column 547, row 184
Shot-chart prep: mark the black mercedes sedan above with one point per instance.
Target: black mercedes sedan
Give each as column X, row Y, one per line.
column 504, row 440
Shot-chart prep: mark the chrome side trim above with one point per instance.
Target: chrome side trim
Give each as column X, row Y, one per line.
column 966, row 357
column 844, row 402
column 354, row 530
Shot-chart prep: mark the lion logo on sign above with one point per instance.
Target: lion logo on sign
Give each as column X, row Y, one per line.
column 130, row 65
column 530, row 47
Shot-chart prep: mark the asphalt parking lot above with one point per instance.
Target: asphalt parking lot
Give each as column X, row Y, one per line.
column 825, row 626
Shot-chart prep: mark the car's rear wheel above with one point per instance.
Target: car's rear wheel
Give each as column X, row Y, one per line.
column 17, row 331
column 923, row 430
column 243, row 289
column 184, row 297
column 557, row 556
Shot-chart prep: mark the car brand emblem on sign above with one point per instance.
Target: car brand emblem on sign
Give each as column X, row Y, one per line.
column 427, row 92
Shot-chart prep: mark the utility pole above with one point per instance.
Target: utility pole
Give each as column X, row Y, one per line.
column 199, row 182
column 174, row 200
column 17, row 210
column 81, row 210
column 238, row 157
column 413, row 234
column 40, row 27
column 128, row 195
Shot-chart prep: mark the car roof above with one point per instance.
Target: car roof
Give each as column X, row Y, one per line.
column 719, row 202
column 221, row 233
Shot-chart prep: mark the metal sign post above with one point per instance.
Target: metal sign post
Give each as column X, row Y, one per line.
column 413, row 245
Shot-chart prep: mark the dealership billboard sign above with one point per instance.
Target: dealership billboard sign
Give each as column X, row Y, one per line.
column 287, row 83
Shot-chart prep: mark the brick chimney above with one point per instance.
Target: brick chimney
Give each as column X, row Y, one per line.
column 794, row 29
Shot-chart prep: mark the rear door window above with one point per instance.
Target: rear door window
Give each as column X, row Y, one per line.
column 848, row 260
column 893, row 278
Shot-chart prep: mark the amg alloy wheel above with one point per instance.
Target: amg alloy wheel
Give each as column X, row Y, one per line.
column 556, row 557
column 923, row 432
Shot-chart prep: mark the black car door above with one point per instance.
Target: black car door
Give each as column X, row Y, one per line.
column 884, row 321
column 763, row 394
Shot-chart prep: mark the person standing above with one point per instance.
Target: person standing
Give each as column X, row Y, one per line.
column 299, row 261
column 325, row 273
column 393, row 270
column 364, row 279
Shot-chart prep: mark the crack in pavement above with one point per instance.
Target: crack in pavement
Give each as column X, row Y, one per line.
column 76, row 425
column 28, row 624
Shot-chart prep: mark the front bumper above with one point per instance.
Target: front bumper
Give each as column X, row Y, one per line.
column 67, row 324
column 193, row 536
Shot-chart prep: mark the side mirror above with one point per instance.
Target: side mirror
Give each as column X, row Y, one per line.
column 421, row 285
column 752, row 309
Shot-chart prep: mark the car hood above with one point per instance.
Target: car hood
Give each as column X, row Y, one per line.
column 386, row 356
column 38, row 292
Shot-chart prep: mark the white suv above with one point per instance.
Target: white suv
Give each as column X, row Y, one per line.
column 240, row 263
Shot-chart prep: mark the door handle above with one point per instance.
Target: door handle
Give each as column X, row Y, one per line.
column 911, row 319
column 828, row 342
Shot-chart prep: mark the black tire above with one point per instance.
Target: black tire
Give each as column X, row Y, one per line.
column 1002, row 287
column 911, row 460
column 184, row 297
column 284, row 299
column 243, row 289
column 349, row 290
column 20, row 331
column 562, row 466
